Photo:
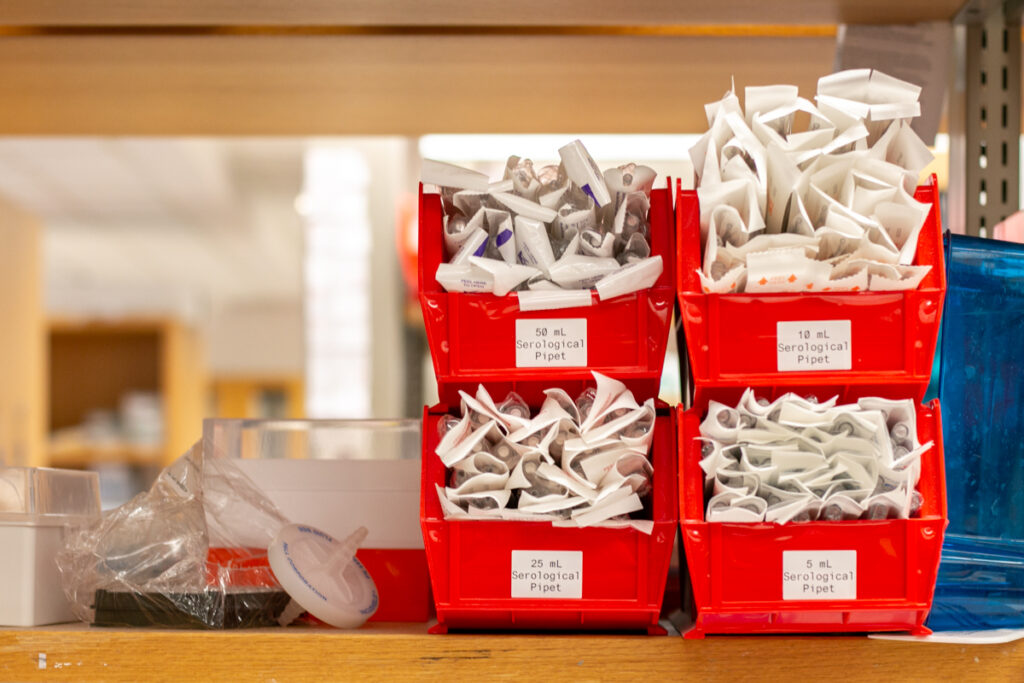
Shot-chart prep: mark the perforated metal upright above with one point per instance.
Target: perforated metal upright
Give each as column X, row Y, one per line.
column 984, row 117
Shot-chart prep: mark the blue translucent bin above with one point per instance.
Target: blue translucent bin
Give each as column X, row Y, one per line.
column 981, row 387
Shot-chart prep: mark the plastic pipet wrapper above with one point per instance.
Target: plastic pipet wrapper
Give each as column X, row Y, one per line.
column 190, row 552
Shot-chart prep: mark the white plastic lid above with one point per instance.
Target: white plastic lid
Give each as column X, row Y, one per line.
column 323, row 575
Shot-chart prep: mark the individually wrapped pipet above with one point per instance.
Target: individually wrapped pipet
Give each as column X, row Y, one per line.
column 796, row 460
column 549, row 229
column 582, row 462
column 845, row 184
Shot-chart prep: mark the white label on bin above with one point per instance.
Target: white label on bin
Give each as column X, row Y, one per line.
column 813, row 345
column 547, row 574
column 551, row 343
column 819, row 575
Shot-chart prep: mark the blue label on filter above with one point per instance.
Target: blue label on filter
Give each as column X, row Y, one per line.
column 481, row 249
column 504, row 236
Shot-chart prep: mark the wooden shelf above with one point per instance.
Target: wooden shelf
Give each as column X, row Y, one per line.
column 452, row 12
column 405, row 651
column 83, row 454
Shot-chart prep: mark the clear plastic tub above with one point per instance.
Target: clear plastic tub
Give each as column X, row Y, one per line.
column 36, row 504
column 337, row 475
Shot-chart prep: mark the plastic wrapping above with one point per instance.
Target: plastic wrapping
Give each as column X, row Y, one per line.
column 190, row 553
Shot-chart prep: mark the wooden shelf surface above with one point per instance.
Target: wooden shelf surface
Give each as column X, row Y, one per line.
column 406, row 652
column 452, row 12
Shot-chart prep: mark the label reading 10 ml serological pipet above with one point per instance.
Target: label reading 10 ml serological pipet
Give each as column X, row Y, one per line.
column 547, row 574
column 551, row 343
column 813, row 345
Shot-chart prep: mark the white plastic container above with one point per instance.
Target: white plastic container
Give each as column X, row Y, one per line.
column 36, row 504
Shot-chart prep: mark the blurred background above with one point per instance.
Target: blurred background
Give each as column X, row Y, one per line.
column 208, row 212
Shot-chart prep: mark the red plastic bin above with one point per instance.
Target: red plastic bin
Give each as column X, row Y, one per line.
column 736, row 570
column 623, row 570
column 732, row 338
column 472, row 337
column 400, row 575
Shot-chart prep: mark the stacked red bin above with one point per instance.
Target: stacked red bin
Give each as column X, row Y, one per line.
column 732, row 340
column 472, row 340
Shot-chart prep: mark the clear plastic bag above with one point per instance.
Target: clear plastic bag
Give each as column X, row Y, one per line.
column 189, row 553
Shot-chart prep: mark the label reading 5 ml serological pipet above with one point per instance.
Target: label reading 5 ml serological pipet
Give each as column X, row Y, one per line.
column 547, row 574
column 551, row 343
column 813, row 345
column 819, row 574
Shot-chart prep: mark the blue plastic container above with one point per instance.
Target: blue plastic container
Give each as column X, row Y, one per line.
column 980, row 585
column 981, row 386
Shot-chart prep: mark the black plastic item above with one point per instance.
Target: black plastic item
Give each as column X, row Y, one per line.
column 206, row 610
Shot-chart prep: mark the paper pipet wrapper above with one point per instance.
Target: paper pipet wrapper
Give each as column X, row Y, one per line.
column 740, row 194
column 475, row 244
column 457, row 229
column 608, row 428
column 483, row 412
column 506, row 276
column 635, row 277
column 733, row 507
column 596, row 243
column 555, row 197
column 466, row 447
column 576, row 486
column 518, row 478
column 482, row 503
column 611, row 395
column 630, row 471
column 910, row 278
column 783, row 513
column 722, row 423
column 728, row 479
column 449, row 175
column 631, row 213
column 840, row 507
column 464, row 277
column 573, row 220
column 453, row 437
column 582, row 170
column 574, row 271
column 475, row 480
column 551, row 412
column 785, row 270
column 627, row 179
column 562, row 399
column 534, row 246
column 548, row 504
column 524, row 207
column 621, row 502
column 596, row 463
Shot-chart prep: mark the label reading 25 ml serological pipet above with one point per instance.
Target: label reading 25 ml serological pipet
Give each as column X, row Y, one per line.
column 547, row 574
column 813, row 345
column 551, row 343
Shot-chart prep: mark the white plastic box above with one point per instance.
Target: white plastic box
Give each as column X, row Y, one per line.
column 36, row 504
column 338, row 475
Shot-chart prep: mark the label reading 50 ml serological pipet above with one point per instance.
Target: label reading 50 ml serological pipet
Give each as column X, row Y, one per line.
column 547, row 574
column 813, row 345
column 551, row 343
column 819, row 575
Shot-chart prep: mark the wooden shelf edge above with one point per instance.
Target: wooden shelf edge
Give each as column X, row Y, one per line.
column 403, row 651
